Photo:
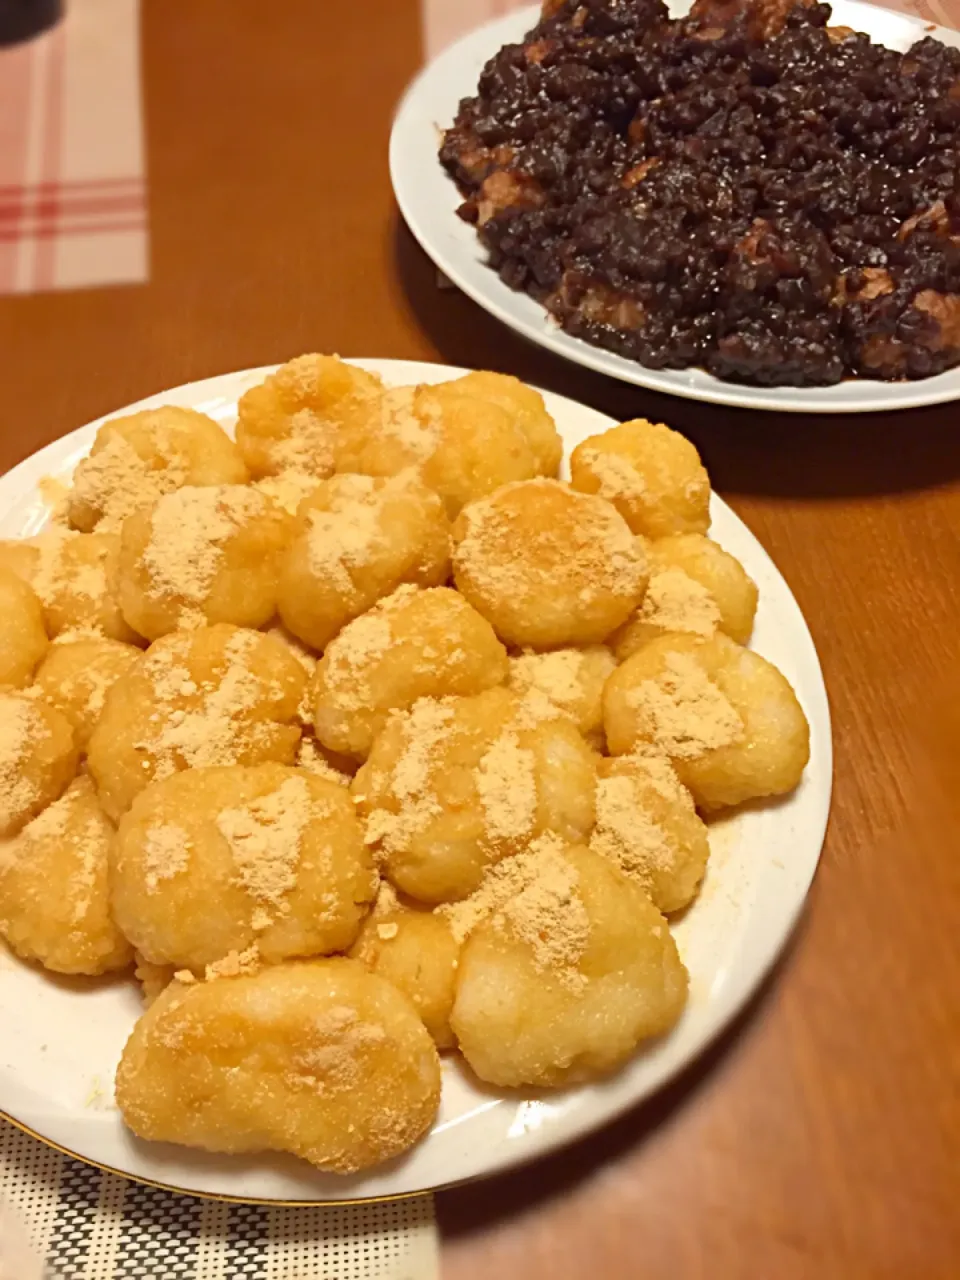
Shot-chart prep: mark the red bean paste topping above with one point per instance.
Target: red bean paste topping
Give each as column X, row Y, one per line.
column 747, row 189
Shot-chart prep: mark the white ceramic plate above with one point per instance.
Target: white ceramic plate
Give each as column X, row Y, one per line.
column 428, row 199
column 61, row 1038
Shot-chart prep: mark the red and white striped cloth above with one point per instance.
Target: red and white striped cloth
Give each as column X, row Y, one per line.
column 445, row 20
column 72, row 188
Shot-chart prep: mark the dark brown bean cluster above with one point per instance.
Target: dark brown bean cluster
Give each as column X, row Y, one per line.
column 748, row 190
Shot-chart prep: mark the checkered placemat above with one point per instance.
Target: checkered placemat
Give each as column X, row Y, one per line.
column 72, row 190
column 62, row 1220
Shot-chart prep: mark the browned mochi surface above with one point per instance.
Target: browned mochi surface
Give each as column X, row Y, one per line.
column 138, row 458
column 455, row 784
column 573, row 680
column 695, row 586
column 219, row 861
column 548, row 566
column 465, row 437
column 567, row 966
column 75, row 578
column 76, row 676
column 415, row 949
column 23, row 637
column 652, row 474
column 412, row 644
column 356, row 539
column 214, row 696
column 319, row 1058
column 294, row 421
column 202, row 555
column 648, row 826
column 727, row 718
column 54, row 896
column 38, row 758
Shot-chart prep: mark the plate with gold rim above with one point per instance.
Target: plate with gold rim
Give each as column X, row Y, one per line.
column 62, row 1038
column 428, row 199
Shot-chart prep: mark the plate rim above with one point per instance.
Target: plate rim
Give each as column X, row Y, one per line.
column 570, row 1128
column 492, row 295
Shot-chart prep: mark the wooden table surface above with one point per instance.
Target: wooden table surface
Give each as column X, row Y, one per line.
column 821, row 1137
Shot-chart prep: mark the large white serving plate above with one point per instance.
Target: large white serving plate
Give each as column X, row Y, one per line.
column 60, row 1040
column 428, row 199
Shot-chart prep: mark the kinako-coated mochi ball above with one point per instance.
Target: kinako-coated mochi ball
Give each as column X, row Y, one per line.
column 202, row 555
column 455, row 784
column 652, row 474
column 320, row 1058
column 76, row 676
column 138, row 458
column 573, row 680
column 728, row 719
column 215, row 696
column 23, row 637
column 294, row 420
column 695, row 586
column 75, row 578
column 415, row 643
column 38, row 758
column 414, row 948
column 465, row 437
column 54, row 887
column 216, row 861
column 570, row 969
column 358, row 538
column 548, row 567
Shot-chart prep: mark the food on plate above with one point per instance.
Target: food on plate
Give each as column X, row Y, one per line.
column 54, row 895
column 292, row 422
column 262, row 860
column 23, row 638
column 526, row 408
column 20, row 556
column 38, row 758
column 317, row 759
column 652, row 475
column 202, row 555
column 414, row 948
column 287, row 490
column 153, row 978
column 319, row 1058
column 303, row 654
column 214, row 696
column 414, row 643
column 358, row 538
column 573, row 680
column 480, row 445
column 74, row 576
column 567, row 973
column 455, row 784
column 76, row 676
column 340, row 813
column 641, row 177
column 466, row 437
column 548, row 566
column 138, row 458
column 694, row 586
column 648, row 825
column 727, row 718
column 391, row 431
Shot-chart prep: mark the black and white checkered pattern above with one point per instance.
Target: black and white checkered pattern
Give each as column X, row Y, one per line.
column 94, row 1226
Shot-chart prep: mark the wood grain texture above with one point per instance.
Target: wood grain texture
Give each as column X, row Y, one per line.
column 821, row 1137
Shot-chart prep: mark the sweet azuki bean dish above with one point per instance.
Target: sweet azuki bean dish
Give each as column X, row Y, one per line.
column 749, row 189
